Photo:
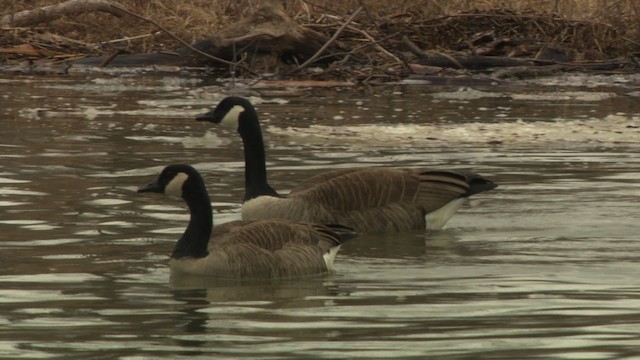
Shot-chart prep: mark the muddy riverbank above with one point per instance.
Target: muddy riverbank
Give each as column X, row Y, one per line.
column 301, row 40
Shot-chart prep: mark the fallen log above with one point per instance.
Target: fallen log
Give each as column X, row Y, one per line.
column 52, row 12
column 474, row 62
column 522, row 72
column 512, row 66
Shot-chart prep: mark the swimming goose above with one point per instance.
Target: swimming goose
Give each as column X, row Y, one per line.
column 244, row 249
column 372, row 199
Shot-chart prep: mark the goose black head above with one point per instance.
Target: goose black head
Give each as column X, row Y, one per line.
column 170, row 181
column 229, row 112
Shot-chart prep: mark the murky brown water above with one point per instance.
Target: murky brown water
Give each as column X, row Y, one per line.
column 545, row 266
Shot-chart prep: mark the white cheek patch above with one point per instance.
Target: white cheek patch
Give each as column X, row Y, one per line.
column 230, row 121
column 174, row 187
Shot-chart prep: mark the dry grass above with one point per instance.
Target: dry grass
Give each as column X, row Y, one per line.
column 608, row 25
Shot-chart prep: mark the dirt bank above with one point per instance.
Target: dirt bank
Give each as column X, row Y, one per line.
column 356, row 41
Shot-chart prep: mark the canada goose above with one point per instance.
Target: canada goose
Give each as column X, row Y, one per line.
column 244, row 249
column 372, row 199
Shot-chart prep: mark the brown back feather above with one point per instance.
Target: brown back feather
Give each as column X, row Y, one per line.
column 370, row 188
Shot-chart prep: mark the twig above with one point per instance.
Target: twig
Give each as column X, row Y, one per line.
column 361, row 47
column 129, row 38
column 375, row 43
column 323, row 8
column 109, row 58
column 413, row 47
column 416, row 50
column 334, row 65
column 630, row 40
column 450, row 58
column 328, row 43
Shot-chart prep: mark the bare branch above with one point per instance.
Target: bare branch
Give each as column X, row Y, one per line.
column 328, row 43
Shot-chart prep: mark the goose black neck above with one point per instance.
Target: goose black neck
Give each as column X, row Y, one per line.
column 255, row 169
column 195, row 239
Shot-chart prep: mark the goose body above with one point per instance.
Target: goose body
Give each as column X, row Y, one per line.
column 244, row 248
column 372, row 199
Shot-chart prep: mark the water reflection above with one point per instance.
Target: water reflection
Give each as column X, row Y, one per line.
column 545, row 266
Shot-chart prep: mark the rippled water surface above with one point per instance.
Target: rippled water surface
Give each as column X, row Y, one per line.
column 545, row 266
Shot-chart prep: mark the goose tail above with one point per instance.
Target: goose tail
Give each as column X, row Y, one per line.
column 342, row 233
column 478, row 184
column 339, row 234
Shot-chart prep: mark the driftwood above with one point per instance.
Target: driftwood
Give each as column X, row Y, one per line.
column 52, row 12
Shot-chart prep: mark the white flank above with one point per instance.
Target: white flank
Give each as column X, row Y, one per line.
column 438, row 218
column 230, row 120
column 330, row 256
column 174, row 187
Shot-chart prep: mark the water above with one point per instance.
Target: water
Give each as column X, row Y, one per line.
column 545, row 266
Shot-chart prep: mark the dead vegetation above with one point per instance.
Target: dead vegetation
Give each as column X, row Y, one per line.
column 384, row 39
